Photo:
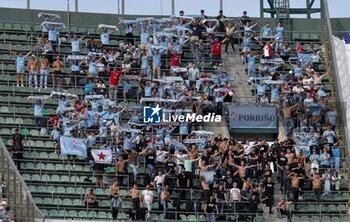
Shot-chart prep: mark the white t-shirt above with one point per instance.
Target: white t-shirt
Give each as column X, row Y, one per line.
column 75, row 45
column 161, row 154
column 180, row 158
column 147, row 195
column 234, row 193
column 159, row 179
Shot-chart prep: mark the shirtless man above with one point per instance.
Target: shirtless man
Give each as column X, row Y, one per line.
column 295, row 183
column 317, row 184
column 57, row 65
column 290, row 156
column 90, row 199
column 287, row 114
column 120, row 168
column 164, row 199
column 242, row 169
column 205, row 187
column 33, row 71
column 115, row 199
column 44, row 70
column 136, row 198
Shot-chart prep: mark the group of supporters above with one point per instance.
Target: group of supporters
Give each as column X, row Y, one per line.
column 179, row 157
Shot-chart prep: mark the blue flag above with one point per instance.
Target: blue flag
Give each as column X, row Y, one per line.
column 73, row 146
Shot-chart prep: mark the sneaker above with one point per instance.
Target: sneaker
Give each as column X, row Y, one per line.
column 45, row 87
column 17, row 85
column 22, row 85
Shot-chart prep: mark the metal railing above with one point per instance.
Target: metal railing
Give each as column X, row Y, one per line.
column 17, row 193
column 333, row 68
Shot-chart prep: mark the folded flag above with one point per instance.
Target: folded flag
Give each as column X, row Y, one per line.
column 73, row 146
column 102, row 156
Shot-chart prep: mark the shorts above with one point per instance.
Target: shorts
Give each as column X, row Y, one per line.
column 20, row 70
column 57, row 74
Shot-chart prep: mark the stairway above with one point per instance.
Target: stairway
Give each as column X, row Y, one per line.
column 235, row 68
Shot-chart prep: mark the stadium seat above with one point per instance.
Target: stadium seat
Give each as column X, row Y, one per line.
column 53, row 213
column 60, row 190
column 72, row 214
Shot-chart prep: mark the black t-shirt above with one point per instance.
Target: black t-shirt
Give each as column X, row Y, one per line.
column 253, row 206
column 253, row 155
column 17, row 142
column 211, row 205
column 195, row 30
column 269, row 187
column 150, row 159
column 182, row 180
column 220, row 194
column 229, row 182
column 170, row 166
column 282, row 161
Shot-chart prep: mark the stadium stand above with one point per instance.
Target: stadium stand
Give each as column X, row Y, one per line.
column 99, row 79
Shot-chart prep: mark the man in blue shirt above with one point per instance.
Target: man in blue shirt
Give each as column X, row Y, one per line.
column 103, row 132
column 144, row 36
column 105, row 36
column 266, row 31
column 20, row 66
column 38, row 113
column 93, row 67
column 54, row 33
column 157, row 62
column 75, row 43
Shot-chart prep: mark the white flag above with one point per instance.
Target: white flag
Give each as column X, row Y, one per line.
column 102, row 156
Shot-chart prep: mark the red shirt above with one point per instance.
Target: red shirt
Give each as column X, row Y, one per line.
column 216, row 48
column 175, row 59
column 268, row 50
column 114, row 77
column 313, row 93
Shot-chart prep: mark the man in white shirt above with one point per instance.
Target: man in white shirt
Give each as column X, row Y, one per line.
column 235, row 196
column 193, row 72
column 147, row 199
column 235, row 193
column 180, row 158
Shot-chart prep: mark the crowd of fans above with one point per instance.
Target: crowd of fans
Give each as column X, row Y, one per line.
column 6, row 215
column 232, row 174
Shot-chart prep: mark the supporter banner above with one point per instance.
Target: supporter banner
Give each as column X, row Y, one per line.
column 195, row 141
column 51, row 16
column 245, row 117
column 102, row 156
column 47, row 23
column 179, row 69
column 76, row 57
column 202, row 132
column 305, row 149
column 54, row 93
column 73, row 146
column 274, row 82
column 108, row 26
column 39, row 97
column 127, row 21
column 140, row 19
column 94, row 97
column 304, row 57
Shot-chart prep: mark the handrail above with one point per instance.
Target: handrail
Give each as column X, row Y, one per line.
column 339, row 96
column 14, row 177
